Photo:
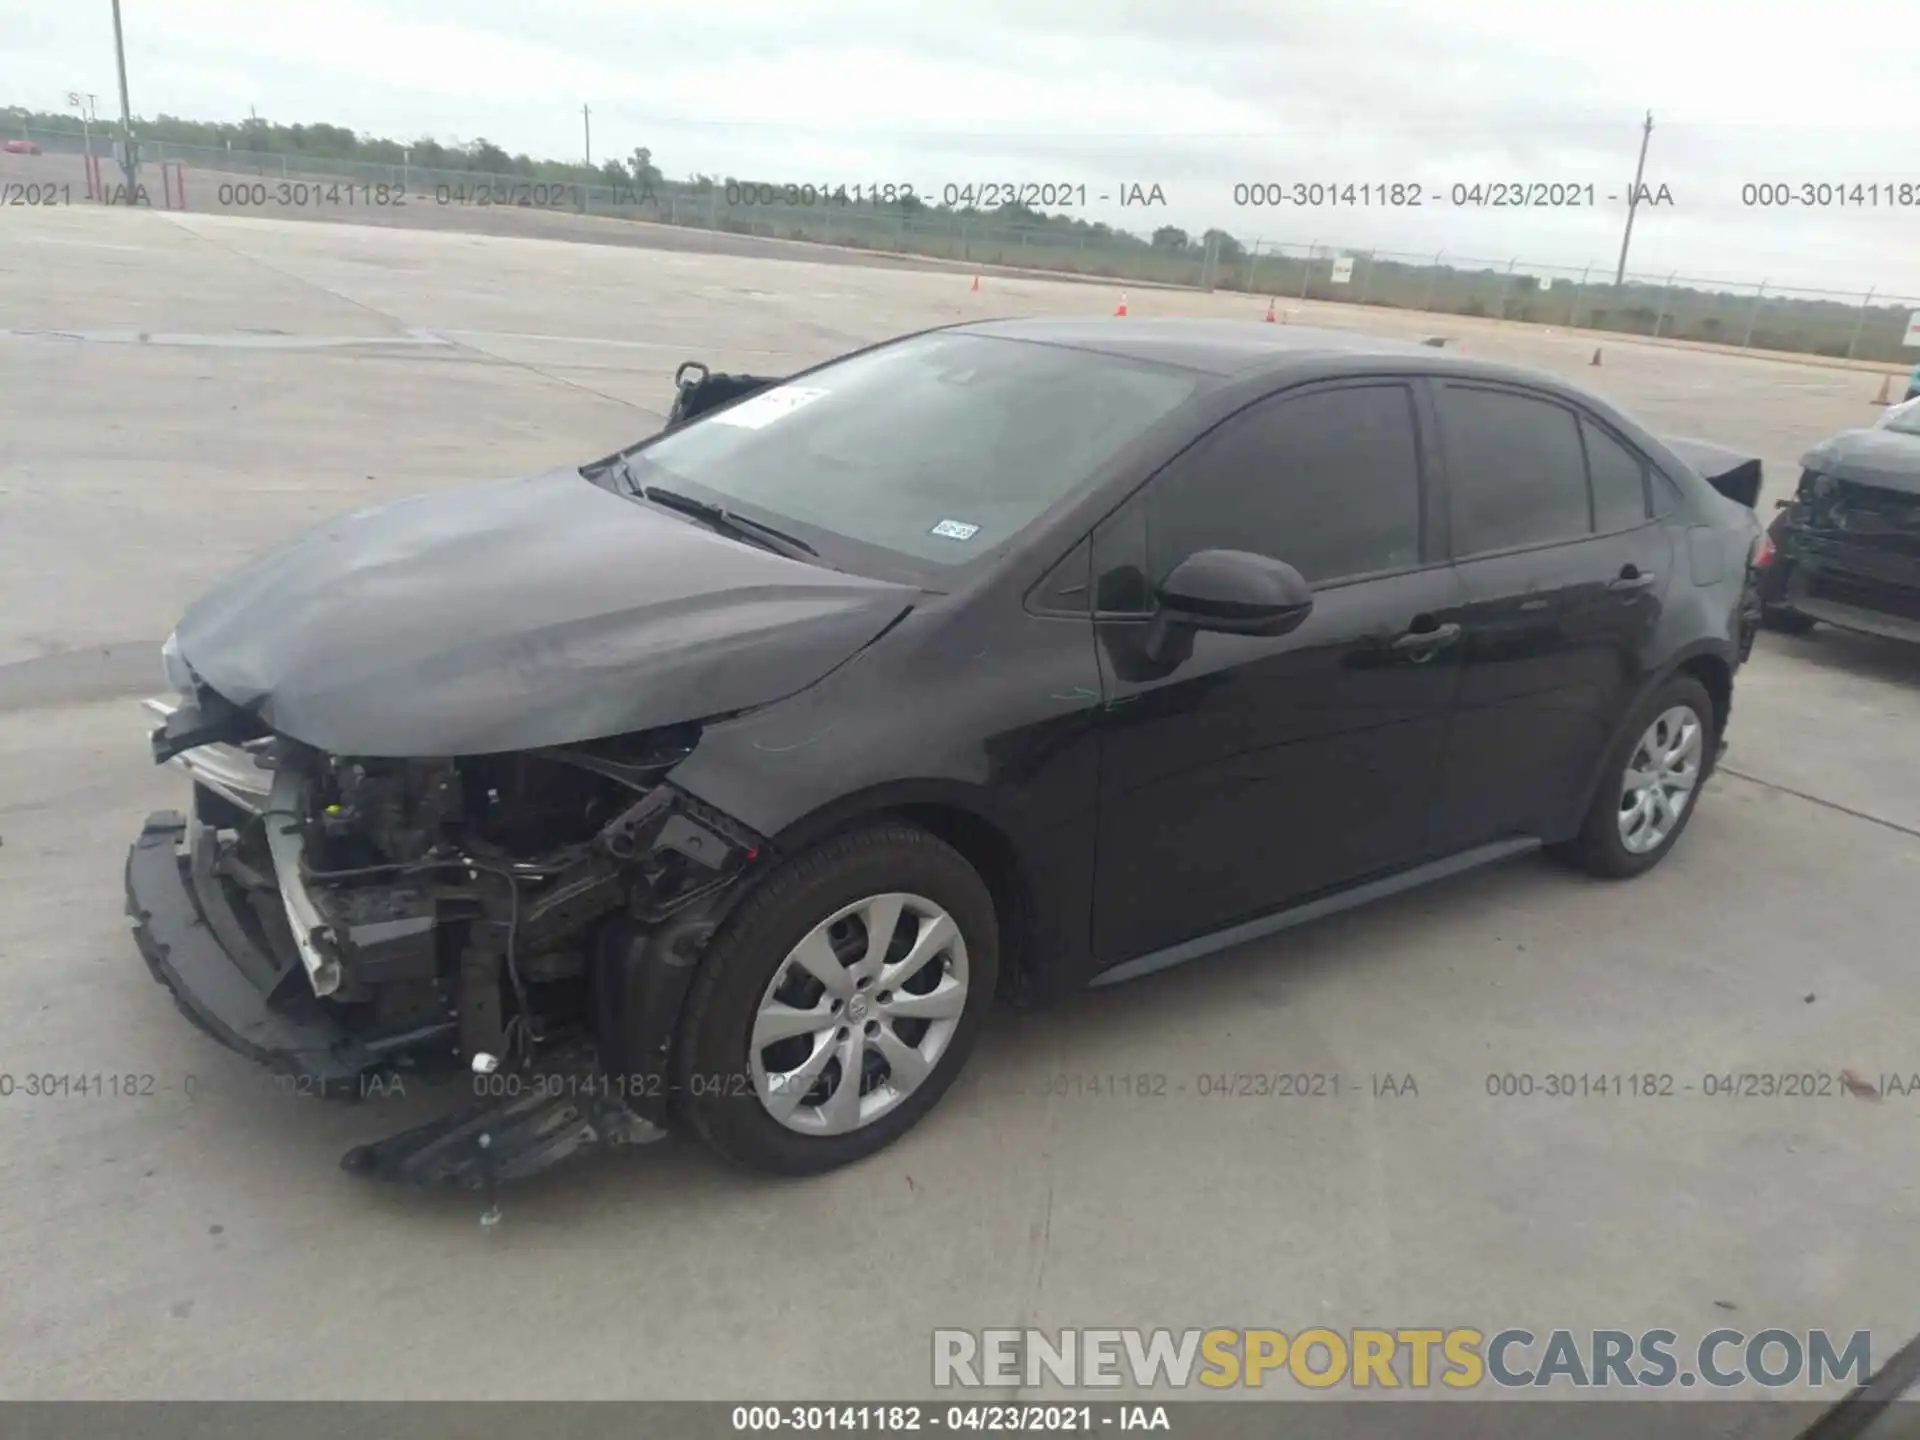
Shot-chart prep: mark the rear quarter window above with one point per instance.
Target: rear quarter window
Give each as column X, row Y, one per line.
column 1663, row 494
column 1619, row 481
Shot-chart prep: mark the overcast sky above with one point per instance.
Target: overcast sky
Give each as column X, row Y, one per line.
column 1192, row 95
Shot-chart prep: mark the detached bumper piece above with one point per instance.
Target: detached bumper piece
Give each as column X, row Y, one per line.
column 243, row 996
column 545, row 1118
column 262, row 1006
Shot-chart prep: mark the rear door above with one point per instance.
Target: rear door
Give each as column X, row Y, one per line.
column 1240, row 772
column 1563, row 570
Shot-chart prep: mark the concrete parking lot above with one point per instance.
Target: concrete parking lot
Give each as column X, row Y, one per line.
column 179, row 391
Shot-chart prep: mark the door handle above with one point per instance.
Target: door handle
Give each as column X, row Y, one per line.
column 1429, row 640
column 1631, row 578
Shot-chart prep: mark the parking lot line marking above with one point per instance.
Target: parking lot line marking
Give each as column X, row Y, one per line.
column 675, row 345
column 235, row 340
column 1816, row 800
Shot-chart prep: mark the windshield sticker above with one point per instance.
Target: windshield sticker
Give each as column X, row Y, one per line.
column 759, row 411
column 955, row 530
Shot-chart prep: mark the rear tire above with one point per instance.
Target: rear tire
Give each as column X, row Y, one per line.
column 1650, row 784
column 810, row 1040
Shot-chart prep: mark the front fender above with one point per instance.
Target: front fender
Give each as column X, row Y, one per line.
column 994, row 725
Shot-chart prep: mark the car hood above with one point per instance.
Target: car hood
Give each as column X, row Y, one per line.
column 1882, row 458
column 518, row 614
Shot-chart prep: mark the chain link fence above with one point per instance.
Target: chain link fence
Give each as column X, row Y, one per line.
column 1860, row 326
column 1867, row 325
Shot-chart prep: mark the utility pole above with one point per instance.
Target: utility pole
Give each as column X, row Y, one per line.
column 586, row 121
column 1633, row 201
column 129, row 157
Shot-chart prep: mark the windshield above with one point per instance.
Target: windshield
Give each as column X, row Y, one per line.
column 937, row 448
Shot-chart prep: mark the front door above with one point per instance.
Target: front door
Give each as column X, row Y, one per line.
column 1238, row 773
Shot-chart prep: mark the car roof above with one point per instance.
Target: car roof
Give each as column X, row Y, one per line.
column 1218, row 347
column 1249, row 354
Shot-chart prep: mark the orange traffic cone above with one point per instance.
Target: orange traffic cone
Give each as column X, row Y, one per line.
column 1121, row 308
column 1271, row 317
column 976, row 284
column 1596, row 357
column 1885, row 397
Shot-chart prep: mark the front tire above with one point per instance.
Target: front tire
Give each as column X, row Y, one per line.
column 1650, row 785
column 838, row 1003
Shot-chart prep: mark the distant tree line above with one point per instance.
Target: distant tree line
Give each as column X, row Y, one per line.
column 321, row 141
column 1017, row 234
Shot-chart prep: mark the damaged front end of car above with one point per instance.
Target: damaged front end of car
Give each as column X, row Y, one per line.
column 524, row 924
column 433, row 824
column 1845, row 547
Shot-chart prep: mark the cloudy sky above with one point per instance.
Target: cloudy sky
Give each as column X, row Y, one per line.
column 1193, row 95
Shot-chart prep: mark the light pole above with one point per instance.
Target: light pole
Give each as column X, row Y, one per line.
column 586, row 124
column 129, row 157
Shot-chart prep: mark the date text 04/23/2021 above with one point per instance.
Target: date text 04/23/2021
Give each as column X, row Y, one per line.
column 1227, row 1084
column 1460, row 194
column 988, row 1418
column 987, row 196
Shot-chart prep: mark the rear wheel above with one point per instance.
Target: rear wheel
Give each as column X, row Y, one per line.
column 1650, row 783
column 838, row 1003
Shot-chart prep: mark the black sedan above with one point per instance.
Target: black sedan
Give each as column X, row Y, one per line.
column 1845, row 549
column 724, row 782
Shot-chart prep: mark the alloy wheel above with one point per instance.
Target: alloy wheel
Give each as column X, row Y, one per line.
column 1660, row 778
column 858, row 1014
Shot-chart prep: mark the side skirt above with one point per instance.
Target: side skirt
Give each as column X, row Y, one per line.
column 1315, row 909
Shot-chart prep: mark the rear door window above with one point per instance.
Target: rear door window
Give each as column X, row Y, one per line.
column 1516, row 468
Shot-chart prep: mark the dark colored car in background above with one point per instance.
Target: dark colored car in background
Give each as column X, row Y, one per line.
column 731, row 777
column 1845, row 549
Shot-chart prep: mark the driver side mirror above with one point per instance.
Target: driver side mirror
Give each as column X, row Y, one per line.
column 1232, row 592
